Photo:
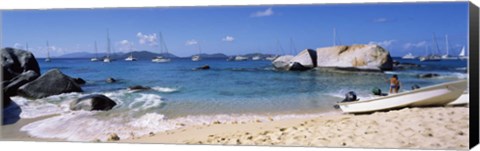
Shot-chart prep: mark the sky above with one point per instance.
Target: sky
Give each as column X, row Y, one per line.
column 400, row 28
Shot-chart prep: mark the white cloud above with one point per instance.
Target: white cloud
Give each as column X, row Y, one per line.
column 147, row 39
column 415, row 45
column 228, row 39
column 380, row 20
column 267, row 12
column 385, row 43
column 124, row 45
column 191, row 42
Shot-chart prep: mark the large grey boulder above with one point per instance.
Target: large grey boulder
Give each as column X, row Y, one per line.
column 283, row 62
column 51, row 83
column 19, row 67
column 305, row 60
column 93, row 102
column 369, row 57
column 16, row 62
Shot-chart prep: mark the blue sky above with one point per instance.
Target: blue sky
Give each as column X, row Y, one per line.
column 400, row 28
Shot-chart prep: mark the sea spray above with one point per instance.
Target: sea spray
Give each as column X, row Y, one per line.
column 165, row 89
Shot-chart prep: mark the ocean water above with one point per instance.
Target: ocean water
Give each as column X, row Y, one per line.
column 229, row 91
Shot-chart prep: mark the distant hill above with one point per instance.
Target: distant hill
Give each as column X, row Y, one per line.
column 136, row 54
column 213, row 56
column 257, row 54
column 145, row 55
column 79, row 55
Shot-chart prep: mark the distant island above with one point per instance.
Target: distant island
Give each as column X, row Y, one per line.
column 145, row 55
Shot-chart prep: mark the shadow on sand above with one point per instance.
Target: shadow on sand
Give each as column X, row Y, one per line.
column 11, row 114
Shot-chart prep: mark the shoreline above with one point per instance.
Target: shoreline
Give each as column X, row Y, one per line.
column 415, row 128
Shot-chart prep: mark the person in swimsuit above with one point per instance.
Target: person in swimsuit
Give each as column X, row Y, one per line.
column 394, row 84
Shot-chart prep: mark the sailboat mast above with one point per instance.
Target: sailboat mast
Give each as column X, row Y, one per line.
column 435, row 41
column 108, row 44
column 334, row 37
column 26, row 46
column 48, row 50
column 292, row 47
column 159, row 40
column 95, row 42
column 446, row 43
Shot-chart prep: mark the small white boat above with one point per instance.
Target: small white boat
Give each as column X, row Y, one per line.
column 409, row 56
column 93, row 59
column 241, row 58
column 107, row 59
column 160, row 59
column 196, row 58
column 131, row 58
column 435, row 95
column 271, row 58
column 431, row 58
column 256, row 58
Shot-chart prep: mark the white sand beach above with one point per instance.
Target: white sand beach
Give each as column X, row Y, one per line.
column 425, row 128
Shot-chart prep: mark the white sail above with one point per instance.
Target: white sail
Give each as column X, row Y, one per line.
column 462, row 53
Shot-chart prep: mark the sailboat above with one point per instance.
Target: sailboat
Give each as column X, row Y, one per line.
column 197, row 57
column 409, row 56
column 447, row 56
column 257, row 57
column 94, row 59
column 462, row 54
column 163, row 47
column 48, row 53
column 432, row 57
column 107, row 59
column 130, row 57
column 240, row 58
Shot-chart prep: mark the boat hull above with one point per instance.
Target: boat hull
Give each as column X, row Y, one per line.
column 437, row 95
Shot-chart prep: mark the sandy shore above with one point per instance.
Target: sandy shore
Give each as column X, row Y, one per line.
column 426, row 128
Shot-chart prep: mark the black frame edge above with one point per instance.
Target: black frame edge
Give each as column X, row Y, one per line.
column 473, row 63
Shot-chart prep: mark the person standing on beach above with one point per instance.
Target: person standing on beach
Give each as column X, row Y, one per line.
column 394, row 84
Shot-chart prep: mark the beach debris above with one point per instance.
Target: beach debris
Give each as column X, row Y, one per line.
column 110, row 80
column 93, row 102
column 113, row 137
column 53, row 82
column 217, row 122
